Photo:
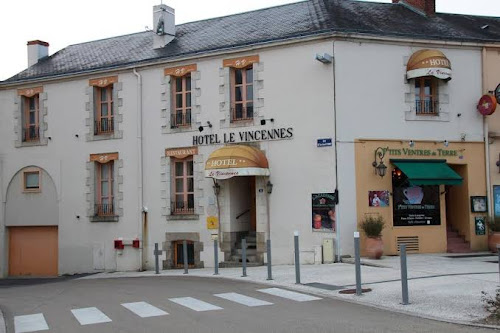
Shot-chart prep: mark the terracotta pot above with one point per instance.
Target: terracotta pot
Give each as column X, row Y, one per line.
column 374, row 247
column 493, row 240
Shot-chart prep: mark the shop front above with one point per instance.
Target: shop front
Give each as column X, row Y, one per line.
column 431, row 194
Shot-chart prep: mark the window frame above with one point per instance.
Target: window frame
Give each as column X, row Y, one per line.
column 27, row 124
column 186, row 111
column 244, row 98
column 98, row 211
column 420, row 99
column 98, row 117
column 27, row 189
column 185, row 210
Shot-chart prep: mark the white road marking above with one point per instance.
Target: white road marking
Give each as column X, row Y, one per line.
column 289, row 294
column 87, row 316
column 194, row 304
column 144, row 310
column 242, row 299
column 30, row 323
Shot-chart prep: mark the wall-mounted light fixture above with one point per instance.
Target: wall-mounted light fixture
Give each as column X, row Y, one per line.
column 263, row 121
column 324, row 58
column 411, row 143
column 380, row 168
column 269, row 187
column 216, row 188
column 446, row 143
column 202, row 127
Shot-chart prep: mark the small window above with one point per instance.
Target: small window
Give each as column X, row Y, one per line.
column 242, row 94
column 181, row 101
column 182, row 186
column 179, row 254
column 32, row 181
column 31, row 115
column 426, row 96
column 104, row 117
column 104, row 205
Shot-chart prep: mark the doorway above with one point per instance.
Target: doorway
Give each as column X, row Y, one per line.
column 457, row 209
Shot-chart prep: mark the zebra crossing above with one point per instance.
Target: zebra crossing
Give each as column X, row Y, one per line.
column 93, row 315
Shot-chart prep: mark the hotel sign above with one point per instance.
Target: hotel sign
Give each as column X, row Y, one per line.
column 243, row 136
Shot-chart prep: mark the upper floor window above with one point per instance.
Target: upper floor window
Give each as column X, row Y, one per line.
column 182, row 186
column 31, row 118
column 31, row 181
column 426, row 96
column 242, row 93
column 104, row 203
column 181, row 98
column 104, row 108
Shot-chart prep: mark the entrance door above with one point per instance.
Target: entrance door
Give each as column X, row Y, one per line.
column 33, row 251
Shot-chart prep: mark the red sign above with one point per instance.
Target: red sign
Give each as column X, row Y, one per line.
column 487, row 105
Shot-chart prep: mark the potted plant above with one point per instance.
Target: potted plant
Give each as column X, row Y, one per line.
column 493, row 234
column 372, row 226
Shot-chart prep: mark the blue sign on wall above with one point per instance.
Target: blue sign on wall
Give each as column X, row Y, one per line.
column 325, row 142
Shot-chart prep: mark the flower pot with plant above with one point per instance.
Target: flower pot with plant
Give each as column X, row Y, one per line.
column 372, row 227
column 493, row 234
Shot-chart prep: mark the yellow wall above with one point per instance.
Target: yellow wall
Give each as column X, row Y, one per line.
column 432, row 239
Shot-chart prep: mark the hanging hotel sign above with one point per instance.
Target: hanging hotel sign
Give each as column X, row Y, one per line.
column 487, row 105
column 180, row 70
column 236, row 160
column 103, row 158
column 243, row 136
column 428, row 63
column 181, row 153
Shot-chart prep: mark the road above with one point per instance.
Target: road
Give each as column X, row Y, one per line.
column 193, row 304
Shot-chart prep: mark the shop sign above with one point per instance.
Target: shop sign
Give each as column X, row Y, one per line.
column 323, row 211
column 480, row 223
column 181, row 152
column 212, row 222
column 243, row 136
column 325, row 142
column 487, row 105
column 416, row 205
column 422, row 152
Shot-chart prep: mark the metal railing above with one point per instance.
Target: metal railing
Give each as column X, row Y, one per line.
column 241, row 113
column 427, row 107
column 182, row 207
column 31, row 133
column 180, row 119
column 104, row 210
column 104, row 126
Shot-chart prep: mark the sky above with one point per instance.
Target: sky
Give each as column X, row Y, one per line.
column 62, row 22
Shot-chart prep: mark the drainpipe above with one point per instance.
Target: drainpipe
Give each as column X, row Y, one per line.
column 337, row 224
column 486, row 138
column 140, row 189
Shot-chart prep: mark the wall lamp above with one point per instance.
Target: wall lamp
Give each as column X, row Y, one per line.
column 269, row 187
column 324, row 58
column 380, row 168
column 263, row 121
column 216, row 188
column 207, row 125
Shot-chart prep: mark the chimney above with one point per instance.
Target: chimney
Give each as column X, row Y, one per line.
column 163, row 25
column 36, row 51
column 428, row 7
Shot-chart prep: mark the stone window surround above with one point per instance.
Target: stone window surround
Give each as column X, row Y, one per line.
column 42, row 118
column 90, row 107
column 171, row 237
column 91, row 193
column 167, row 103
column 225, row 95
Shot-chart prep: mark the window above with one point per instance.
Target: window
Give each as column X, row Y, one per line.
column 181, row 100
column 426, row 101
column 242, row 93
column 179, row 253
column 31, row 118
column 104, row 201
column 32, row 181
column 182, row 186
column 103, row 119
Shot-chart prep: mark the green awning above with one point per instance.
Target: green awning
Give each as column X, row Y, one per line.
column 428, row 172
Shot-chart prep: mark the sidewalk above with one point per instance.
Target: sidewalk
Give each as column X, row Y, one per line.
column 443, row 287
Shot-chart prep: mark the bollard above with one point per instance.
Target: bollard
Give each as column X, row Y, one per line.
column 404, row 274
column 216, row 258
column 297, row 257
column 157, row 254
column 244, row 256
column 269, row 268
column 357, row 262
column 185, row 256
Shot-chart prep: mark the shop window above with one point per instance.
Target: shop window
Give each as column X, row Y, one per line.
column 426, row 96
column 104, row 205
column 182, row 186
column 179, row 253
column 181, row 101
column 31, row 118
column 242, row 94
column 31, row 181
column 103, row 111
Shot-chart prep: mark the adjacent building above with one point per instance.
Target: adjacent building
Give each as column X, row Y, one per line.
column 252, row 126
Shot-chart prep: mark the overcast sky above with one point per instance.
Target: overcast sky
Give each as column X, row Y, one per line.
column 62, row 23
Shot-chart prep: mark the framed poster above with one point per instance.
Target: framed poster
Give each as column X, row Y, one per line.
column 378, row 198
column 323, row 211
column 496, row 200
column 478, row 204
column 480, row 223
column 416, row 205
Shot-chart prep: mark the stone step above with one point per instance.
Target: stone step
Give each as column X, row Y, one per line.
column 249, row 251
column 232, row 264
column 456, row 240
column 238, row 258
column 450, row 234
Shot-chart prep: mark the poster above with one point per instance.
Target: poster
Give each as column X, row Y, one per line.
column 496, row 200
column 480, row 222
column 323, row 211
column 416, row 205
column 378, row 198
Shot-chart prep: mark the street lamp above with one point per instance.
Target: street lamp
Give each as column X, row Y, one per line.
column 380, row 168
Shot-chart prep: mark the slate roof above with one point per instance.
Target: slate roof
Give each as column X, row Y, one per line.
column 289, row 21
